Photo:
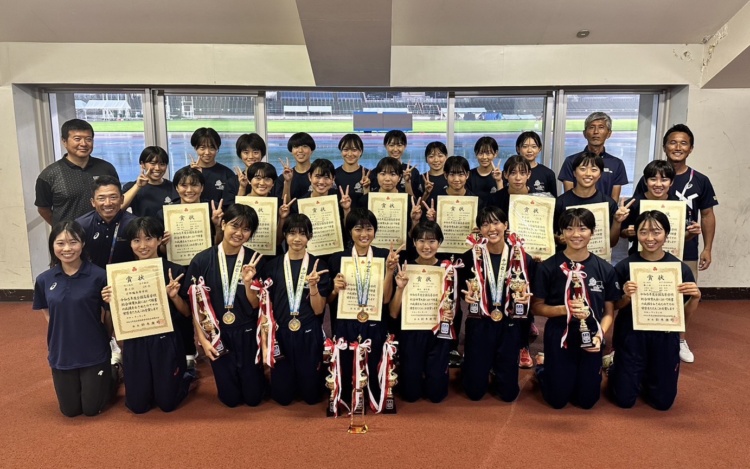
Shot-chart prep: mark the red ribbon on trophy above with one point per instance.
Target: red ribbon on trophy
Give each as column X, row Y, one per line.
column 386, row 362
column 516, row 267
column 364, row 349
column 334, row 350
column 450, row 282
column 265, row 318
column 479, row 244
column 579, row 291
column 201, row 306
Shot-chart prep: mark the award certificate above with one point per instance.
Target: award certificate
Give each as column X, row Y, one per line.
column 657, row 306
column 324, row 214
column 140, row 306
column 392, row 213
column 675, row 212
column 421, row 297
column 599, row 243
column 457, row 216
column 348, row 302
column 190, row 227
column 530, row 217
column 267, row 208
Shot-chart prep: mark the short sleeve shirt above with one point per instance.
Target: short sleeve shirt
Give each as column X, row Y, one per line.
column 151, row 198
column 614, row 172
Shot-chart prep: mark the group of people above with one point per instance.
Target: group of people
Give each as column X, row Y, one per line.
column 297, row 289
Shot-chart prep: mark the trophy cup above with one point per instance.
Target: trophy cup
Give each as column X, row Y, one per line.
column 205, row 317
column 518, row 286
column 579, row 296
column 445, row 330
column 357, row 423
column 474, row 290
column 331, row 378
column 389, row 404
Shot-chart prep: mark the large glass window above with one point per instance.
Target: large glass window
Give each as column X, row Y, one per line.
column 499, row 117
column 633, row 125
column 327, row 116
column 117, row 119
column 230, row 115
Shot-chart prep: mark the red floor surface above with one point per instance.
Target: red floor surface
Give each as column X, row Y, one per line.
column 708, row 426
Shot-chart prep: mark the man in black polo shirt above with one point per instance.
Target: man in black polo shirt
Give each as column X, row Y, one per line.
column 64, row 188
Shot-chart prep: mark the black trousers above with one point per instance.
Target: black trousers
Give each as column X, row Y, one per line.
column 424, row 366
column 238, row 379
column 85, row 390
column 492, row 346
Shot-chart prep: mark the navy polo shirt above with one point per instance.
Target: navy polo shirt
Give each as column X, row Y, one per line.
column 99, row 235
column 67, row 188
column 601, row 283
column 150, row 198
column 206, row 264
column 614, row 172
column 701, row 196
column 274, row 270
column 76, row 337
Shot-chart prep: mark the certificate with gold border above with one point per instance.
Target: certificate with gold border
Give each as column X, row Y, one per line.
column 675, row 212
column 391, row 211
column 457, row 216
column 324, row 214
column 421, row 297
column 267, row 208
column 530, row 218
column 599, row 243
column 140, row 305
column 348, row 302
column 190, row 227
column 657, row 305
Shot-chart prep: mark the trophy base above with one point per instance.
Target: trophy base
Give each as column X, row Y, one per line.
column 474, row 309
column 586, row 341
column 331, row 408
column 358, row 429
column 445, row 331
column 389, row 406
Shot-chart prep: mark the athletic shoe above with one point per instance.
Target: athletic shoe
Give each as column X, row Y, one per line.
column 685, row 354
column 190, row 359
column 524, row 359
column 116, row 352
column 455, row 359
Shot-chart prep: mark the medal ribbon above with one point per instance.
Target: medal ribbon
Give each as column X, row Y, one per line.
column 335, row 349
column 481, row 244
column 363, row 287
column 295, row 297
column 516, row 242
column 449, row 281
column 230, row 287
column 683, row 195
column 203, row 307
column 496, row 284
column 265, row 314
column 386, row 361
column 581, row 292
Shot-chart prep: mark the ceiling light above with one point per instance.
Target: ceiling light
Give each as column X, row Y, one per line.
column 583, row 33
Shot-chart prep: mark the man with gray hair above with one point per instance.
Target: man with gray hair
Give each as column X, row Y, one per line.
column 597, row 129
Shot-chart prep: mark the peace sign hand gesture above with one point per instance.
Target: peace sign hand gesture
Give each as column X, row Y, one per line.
column 286, row 207
column 623, row 210
column 195, row 164
column 251, row 268
column 416, row 209
column 242, row 177
column 392, row 261
column 497, row 173
column 173, row 287
column 402, row 278
column 217, row 212
column 431, row 212
column 428, row 185
column 365, row 181
column 143, row 178
column 407, row 173
column 314, row 277
column 286, row 173
column 346, row 201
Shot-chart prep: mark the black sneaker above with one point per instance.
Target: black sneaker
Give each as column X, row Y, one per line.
column 455, row 359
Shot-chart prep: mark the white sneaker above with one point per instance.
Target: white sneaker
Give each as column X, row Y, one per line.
column 116, row 352
column 685, row 354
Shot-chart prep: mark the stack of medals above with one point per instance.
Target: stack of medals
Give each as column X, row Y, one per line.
column 295, row 296
column 496, row 282
column 229, row 286
column 363, row 285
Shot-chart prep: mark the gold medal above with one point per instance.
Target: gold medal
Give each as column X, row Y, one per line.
column 228, row 318
column 496, row 315
column 294, row 325
column 362, row 316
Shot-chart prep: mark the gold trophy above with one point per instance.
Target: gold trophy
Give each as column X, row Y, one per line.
column 206, row 320
column 389, row 405
column 357, row 423
column 446, row 317
column 330, row 379
column 579, row 295
column 474, row 293
column 518, row 286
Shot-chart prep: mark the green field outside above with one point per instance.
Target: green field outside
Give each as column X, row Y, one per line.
column 344, row 126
